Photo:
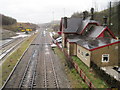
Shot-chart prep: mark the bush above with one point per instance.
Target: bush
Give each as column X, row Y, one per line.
column 109, row 79
column 55, row 36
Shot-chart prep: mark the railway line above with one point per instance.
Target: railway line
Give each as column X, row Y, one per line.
column 39, row 67
column 51, row 75
column 8, row 43
column 10, row 47
column 56, row 81
column 17, row 75
column 49, row 71
column 30, row 72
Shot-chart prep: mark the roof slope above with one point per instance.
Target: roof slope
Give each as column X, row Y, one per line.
column 77, row 25
column 99, row 31
column 73, row 25
column 96, row 31
column 85, row 23
column 92, row 44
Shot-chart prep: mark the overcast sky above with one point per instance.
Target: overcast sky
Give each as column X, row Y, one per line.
column 42, row 11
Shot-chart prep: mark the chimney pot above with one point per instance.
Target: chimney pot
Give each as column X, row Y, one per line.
column 105, row 21
column 84, row 15
column 92, row 13
column 65, row 22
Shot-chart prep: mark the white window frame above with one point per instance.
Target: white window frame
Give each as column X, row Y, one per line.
column 107, row 56
column 78, row 50
column 85, row 55
column 82, row 53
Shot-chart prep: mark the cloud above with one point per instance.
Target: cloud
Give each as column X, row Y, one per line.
column 40, row 11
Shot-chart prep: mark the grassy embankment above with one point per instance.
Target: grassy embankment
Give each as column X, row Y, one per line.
column 12, row 27
column 94, row 78
column 11, row 61
column 75, row 80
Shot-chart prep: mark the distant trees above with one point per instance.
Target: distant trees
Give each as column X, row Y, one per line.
column 77, row 14
column 56, row 27
column 8, row 20
column 80, row 14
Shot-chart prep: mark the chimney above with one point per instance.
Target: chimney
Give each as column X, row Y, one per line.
column 84, row 15
column 65, row 22
column 92, row 13
column 105, row 21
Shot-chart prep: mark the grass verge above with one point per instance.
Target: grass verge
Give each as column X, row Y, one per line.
column 94, row 78
column 75, row 80
column 11, row 61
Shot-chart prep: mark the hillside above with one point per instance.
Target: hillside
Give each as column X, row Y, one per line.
column 11, row 24
column 114, row 19
column 6, row 20
column 98, row 16
column 53, row 25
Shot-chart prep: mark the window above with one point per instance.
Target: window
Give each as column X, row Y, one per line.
column 82, row 53
column 105, row 58
column 87, row 54
column 79, row 50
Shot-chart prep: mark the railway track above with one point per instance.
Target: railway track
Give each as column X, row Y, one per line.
column 50, row 76
column 28, row 78
column 10, row 49
column 8, row 43
column 54, row 73
column 13, row 81
column 38, row 68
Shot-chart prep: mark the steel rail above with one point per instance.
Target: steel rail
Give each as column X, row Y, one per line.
column 6, row 44
column 9, row 50
column 5, row 83
column 45, row 70
column 54, row 72
column 34, row 74
column 29, row 66
column 25, row 72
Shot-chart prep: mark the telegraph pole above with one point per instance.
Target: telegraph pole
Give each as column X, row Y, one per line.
column 118, row 12
column 53, row 17
column 110, row 10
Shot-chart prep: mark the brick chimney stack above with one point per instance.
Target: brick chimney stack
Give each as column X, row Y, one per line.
column 65, row 22
column 84, row 15
column 92, row 13
column 105, row 21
